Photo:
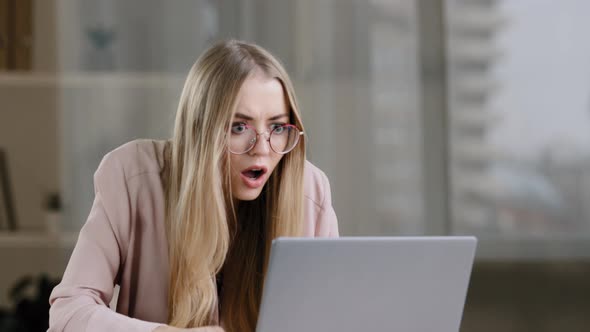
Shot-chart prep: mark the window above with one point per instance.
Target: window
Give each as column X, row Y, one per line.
column 519, row 108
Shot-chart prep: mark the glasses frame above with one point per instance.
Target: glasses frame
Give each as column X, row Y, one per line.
column 268, row 135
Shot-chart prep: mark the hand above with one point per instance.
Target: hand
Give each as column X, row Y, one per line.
column 196, row 329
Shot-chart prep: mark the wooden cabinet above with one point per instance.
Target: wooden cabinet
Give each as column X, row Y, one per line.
column 16, row 34
column 3, row 34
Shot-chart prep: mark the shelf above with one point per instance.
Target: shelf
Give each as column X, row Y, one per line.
column 76, row 79
column 19, row 240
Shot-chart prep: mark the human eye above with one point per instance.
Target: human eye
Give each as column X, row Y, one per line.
column 238, row 128
column 278, row 128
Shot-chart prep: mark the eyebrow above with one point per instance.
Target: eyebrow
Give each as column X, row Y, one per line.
column 249, row 118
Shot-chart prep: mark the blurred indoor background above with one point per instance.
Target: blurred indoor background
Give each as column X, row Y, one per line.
column 430, row 117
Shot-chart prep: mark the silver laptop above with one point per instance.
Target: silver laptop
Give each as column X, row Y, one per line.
column 366, row 284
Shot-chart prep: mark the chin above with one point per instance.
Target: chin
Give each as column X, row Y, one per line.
column 247, row 194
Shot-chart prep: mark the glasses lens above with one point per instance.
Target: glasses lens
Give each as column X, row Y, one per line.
column 242, row 139
column 283, row 139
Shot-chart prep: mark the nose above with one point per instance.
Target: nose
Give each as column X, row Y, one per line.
column 262, row 145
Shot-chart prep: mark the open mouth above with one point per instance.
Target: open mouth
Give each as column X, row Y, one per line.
column 254, row 172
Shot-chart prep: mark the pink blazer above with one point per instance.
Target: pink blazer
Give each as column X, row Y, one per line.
column 124, row 242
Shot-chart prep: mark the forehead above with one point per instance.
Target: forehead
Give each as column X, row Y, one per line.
column 262, row 95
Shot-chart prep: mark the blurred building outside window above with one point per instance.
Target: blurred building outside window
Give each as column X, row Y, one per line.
column 519, row 118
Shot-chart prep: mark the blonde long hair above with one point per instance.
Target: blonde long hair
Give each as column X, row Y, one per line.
column 206, row 232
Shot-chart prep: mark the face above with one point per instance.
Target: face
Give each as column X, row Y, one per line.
column 261, row 105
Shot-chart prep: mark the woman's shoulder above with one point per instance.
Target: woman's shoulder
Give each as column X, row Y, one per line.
column 135, row 158
column 315, row 184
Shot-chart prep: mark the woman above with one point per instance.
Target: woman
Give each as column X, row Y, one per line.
column 184, row 227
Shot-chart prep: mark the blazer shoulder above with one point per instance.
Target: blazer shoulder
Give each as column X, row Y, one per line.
column 315, row 184
column 136, row 157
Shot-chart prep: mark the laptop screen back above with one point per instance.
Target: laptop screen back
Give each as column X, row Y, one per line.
column 366, row 284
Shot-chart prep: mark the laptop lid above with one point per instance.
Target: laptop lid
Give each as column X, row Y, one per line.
column 366, row 284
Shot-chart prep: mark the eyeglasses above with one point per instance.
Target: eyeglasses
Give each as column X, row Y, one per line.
column 282, row 138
